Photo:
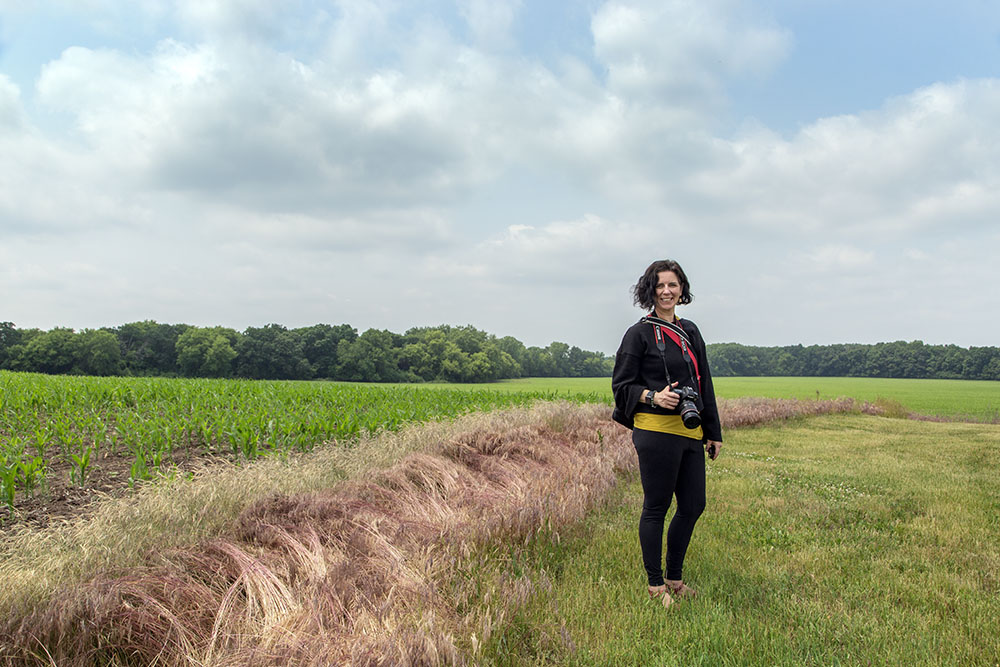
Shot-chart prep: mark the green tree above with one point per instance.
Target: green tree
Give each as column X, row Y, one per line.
column 437, row 345
column 735, row 359
column 150, row 348
column 370, row 358
column 17, row 353
column 97, row 353
column 355, row 361
column 9, row 337
column 559, row 352
column 469, row 339
column 479, row 368
column 502, row 364
column 207, row 352
column 415, row 359
column 515, row 350
column 51, row 352
column 991, row 371
column 947, row 361
column 272, row 352
column 219, row 358
column 539, row 363
column 454, row 364
column 319, row 346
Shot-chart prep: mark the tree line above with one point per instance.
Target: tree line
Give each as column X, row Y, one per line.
column 274, row 352
column 425, row 354
column 898, row 359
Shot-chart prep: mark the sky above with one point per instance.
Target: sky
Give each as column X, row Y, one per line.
column 825, row 171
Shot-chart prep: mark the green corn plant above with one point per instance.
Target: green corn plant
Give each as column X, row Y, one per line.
column 40, row 442
column 128, row 430
column 246, row 442
column 62, row 431
column 139, row 471
column 81, row 462
column 32, row 475
column 252, row 419
column 155, row 457
column 99, row 431
column 8, row 481
column 207, row 435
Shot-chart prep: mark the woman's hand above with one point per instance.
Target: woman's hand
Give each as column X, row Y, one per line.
column 666, row 398
column 713, row 447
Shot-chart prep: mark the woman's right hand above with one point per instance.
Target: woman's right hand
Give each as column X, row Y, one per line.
column 667, row 399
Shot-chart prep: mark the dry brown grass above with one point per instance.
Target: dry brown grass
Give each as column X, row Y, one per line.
column 748, row 411
column 366, row 562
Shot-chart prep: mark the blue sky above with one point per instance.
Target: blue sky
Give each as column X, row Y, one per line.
column 850, row 56
column 824, row 171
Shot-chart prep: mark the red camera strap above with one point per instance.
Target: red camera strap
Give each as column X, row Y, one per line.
column 668, row 329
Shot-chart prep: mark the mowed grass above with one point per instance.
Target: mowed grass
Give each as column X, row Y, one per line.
column 845, row 540
column 976, row 400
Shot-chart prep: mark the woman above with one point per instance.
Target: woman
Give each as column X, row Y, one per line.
column 660, row 356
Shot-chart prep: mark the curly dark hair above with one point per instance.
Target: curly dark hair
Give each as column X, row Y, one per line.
column 644, row 291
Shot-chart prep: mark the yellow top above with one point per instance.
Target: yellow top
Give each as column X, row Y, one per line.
column 672, row 424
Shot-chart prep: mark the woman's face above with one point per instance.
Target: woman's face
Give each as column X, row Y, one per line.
column 668, row 290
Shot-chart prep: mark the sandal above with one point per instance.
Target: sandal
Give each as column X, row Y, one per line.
column 681, row 590
column 660, row 593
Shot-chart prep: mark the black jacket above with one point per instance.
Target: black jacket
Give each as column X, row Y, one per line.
column 638, row 366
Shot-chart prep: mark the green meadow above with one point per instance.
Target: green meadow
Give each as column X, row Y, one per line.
column 977, row 400
column 834, row 540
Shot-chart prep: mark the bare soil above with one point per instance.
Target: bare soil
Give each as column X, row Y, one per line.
column 107, row 477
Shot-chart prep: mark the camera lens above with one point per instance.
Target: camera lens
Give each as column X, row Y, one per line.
column 689, row 415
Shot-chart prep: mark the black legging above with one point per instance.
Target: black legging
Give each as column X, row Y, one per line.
column 668, row 464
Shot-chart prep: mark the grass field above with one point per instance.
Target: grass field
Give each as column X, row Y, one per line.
column 839, row 539
column 846, row 540
column 978, row 400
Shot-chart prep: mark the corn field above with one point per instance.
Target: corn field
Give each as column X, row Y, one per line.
column 67, row 425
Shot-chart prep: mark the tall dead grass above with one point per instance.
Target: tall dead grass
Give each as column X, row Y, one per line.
column 373, row 567
column 749, row 411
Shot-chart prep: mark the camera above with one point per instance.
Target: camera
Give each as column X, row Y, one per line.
column 689, row 411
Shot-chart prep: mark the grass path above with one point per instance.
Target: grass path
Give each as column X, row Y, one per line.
column 834, row 540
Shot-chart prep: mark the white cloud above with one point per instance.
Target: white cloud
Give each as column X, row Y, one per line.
column 254, row 126
column 490, row 20
column 677, row 52
column 562, row 252
column 47, row 188
column 837, row 258
column 264, row 130
column 924, row 160
column 245, row 17
column 125, row 106
column 412, row 231
column 12, row 116
column 233, row 170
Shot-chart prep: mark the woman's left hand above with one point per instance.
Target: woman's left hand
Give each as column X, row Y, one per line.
column 713, row 447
